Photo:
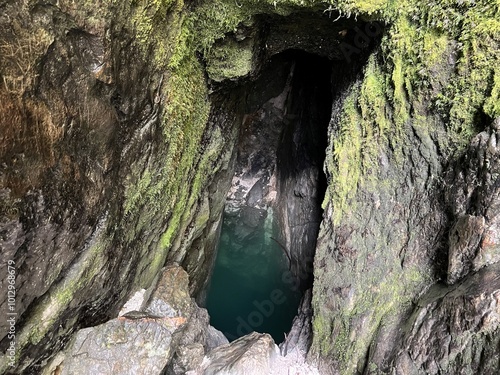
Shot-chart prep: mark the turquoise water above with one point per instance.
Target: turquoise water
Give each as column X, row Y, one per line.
column 251, row 287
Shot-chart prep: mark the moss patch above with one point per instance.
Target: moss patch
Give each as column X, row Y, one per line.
column 230, row 59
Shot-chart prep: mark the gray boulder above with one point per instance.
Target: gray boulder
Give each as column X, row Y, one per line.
column 249, row 355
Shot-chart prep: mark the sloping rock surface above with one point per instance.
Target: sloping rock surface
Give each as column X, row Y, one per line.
column 172, row 333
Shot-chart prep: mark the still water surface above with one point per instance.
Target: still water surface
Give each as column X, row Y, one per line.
column 251, row 288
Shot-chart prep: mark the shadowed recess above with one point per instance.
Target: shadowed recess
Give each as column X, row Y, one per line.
column 273, row 208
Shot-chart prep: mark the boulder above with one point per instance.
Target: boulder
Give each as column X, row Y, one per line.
column 249, row 355
column 144, row 342
column 170, row 297
column 124, row 346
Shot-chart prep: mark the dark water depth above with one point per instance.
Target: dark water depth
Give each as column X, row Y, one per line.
column 251, row 288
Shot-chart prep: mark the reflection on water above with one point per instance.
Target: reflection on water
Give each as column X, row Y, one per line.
column 251, row 288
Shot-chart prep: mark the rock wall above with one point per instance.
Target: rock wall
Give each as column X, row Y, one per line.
column 114, row 161
column 300, row 179
column 110, row 165
column 395, row 135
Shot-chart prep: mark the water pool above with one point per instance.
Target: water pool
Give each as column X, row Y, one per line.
column 251, row 287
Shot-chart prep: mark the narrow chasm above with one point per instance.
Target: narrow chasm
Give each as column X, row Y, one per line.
column 273, row 209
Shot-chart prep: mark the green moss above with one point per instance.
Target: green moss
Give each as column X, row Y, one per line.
column 157, row 24
column 136, row 192
column 230, row 60
column 400, row 97
column 322, row 329
column 364, row 128
column 57, row 300
column 344, row 163
column 347, row 333
column 492, row 104
column 372, row 102
column 367, row 7
column 434, row 47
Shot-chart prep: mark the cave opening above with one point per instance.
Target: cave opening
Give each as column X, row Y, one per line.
column 273, row 208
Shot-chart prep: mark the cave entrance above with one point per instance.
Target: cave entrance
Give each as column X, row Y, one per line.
column 273, row 209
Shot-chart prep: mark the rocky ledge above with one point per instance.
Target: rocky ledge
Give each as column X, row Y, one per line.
column 166, row 333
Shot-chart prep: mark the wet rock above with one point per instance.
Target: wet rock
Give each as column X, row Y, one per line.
column 232, row 57
column 256, row 193
column 455, row 330
column 249, row 355
column 252, row 217
column 300, row 179
column 83, row 161
column 465, row 237
column 300, row 336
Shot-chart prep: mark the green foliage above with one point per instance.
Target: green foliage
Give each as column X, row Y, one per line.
column 475, row 27
column 365, row 7
column 492, row 104
column 322, row 328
